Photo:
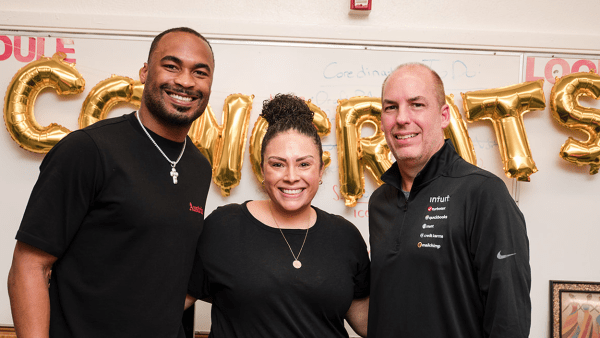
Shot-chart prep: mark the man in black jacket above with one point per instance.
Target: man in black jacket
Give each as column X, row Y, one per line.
column 449, row 247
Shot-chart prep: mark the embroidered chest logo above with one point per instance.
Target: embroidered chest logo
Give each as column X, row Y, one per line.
column 429, row 238
column 196, row 209
column 439, row 199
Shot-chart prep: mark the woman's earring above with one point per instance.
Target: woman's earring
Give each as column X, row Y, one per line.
column 320, row 182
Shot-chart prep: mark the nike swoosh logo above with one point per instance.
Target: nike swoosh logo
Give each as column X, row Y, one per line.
column 501, row 256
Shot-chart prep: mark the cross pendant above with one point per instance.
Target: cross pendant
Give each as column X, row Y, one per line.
column 174, row 174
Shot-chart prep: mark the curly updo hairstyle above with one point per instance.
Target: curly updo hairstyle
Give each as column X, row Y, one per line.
column 288, row 112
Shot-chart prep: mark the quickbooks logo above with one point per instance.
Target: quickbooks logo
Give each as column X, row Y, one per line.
column 427, row 217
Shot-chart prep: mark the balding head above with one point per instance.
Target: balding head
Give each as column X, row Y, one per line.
column 438, row 85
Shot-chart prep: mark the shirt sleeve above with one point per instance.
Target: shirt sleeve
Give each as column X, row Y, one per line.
column 500, row 251
column 362, row 280
column 62, row 195
column 362, row 277
column 198, row 284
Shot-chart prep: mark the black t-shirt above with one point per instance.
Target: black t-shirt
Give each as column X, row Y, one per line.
column 124, row 234
column 256, row 291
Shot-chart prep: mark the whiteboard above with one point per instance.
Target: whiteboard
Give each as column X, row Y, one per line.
column 322, row 73
column 327, row 73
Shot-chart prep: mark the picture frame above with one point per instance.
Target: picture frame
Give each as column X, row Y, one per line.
column 574, row 309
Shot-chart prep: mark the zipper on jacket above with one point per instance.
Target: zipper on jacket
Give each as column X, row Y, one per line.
column 399, row 234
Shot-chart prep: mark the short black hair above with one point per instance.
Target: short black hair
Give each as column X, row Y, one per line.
column 175, row 30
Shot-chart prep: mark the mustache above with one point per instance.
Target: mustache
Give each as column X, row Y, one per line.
column 181, row 90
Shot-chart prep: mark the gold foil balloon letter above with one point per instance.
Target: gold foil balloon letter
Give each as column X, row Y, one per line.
column 459, row 135
column 224, row 145
column 355, row 152
column 105, row 95
column 320, row 121
column 564, row 103
column 21, row 95
column 505, row 107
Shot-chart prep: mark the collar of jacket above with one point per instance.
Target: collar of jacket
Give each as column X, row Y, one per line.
column 437, row 165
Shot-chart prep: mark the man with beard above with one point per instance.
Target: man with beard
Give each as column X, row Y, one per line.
column 117, row 210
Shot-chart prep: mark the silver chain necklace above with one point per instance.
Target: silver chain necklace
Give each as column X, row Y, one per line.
column 174, row 172
column 296, row 262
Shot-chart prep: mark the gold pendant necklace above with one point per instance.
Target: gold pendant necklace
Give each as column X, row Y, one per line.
column 296, row 262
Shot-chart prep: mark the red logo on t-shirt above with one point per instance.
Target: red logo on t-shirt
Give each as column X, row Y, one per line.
column 196, row 209
column 430, row 208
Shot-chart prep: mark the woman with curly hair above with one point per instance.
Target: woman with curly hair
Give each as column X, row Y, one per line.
column 281, row 267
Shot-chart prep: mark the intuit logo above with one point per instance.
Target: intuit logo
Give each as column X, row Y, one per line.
column 439, row 199
column 196, row 209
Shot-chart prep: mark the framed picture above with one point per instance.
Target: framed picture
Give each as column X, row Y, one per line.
column 574, row 309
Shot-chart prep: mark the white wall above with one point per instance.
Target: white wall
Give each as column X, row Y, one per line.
column 545, row 25
column 535, row 25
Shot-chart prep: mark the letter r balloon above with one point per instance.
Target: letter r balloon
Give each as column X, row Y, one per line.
column 355, row 152
column 505, row 107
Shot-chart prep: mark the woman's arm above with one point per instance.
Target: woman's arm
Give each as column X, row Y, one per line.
column 358, row 316
column 189, row 301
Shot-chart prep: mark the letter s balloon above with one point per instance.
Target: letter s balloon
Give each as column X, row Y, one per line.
column 565, row 107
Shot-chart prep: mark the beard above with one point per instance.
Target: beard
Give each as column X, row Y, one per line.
column 157, row 106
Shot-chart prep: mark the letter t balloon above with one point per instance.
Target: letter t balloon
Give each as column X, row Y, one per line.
column 505, row 107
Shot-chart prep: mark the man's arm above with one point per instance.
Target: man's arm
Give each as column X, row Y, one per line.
column 358, row 316
column 501, row 257
column 28, row 280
